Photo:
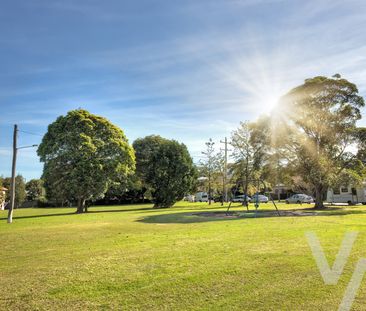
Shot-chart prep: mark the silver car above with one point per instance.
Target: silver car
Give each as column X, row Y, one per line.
column 240, row 198
column 261, row 198
column 300, row 198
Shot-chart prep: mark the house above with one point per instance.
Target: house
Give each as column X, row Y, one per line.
column 280, row 192
column 2, row 197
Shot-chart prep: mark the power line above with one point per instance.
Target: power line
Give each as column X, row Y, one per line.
column 30, row 133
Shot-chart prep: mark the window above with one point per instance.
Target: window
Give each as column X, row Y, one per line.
column 344, row 189
column 336, row 191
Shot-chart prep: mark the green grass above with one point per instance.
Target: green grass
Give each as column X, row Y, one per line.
column 138, row 258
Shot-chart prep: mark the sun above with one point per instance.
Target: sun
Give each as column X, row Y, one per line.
column 268, row 101
column 271, row 101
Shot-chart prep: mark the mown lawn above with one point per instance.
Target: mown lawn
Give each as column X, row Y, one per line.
column 138, row 258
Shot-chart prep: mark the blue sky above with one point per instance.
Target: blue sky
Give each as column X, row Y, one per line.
column 187, row 70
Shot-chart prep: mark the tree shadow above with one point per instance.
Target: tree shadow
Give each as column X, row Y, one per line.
column 40, row 216
column 180, row 218
column 209, row 216
column 90, row 211
column 100, row 209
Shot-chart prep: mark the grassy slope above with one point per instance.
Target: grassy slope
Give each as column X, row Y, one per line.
column 138, row 258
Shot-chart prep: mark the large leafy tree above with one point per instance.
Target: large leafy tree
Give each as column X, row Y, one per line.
column 166, row 168
column 321, row 117
column 83, row 154
column 145, row 148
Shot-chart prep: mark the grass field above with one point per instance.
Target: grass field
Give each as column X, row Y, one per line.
column 138, row 258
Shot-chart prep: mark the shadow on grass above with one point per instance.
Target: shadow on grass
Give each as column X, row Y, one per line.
column 209, row 216
column 181, row 218
column 40, row 216
column 91, row 211
column 100, row 210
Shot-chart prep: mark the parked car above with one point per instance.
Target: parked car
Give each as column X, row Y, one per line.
column 217, row 198
column 189, row 198
column 300, row 198
column 240, row 198
column 261, row 198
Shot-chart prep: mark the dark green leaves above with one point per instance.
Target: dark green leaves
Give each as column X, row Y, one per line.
column 82, row 154
column 165, row 167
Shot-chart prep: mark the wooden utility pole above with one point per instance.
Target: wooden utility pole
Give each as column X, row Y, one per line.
column 13, row 169
column 210, row 159
column 225, row 170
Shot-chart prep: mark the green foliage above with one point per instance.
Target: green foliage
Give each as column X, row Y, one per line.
column 360, row 137
column 34, row 189
column 320, row 117
column 83, row 154
column 20, row 193
column 212, row 167
column 165, row 167
column 209, row 166
column 127, row 191
column 145, row 148
column 2, row 196
column 251, row 143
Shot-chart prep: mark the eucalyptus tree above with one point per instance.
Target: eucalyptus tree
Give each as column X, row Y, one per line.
column 208, row 165
column 251, row 143
column 83, row 154
column 321, row 116
column 220, row 174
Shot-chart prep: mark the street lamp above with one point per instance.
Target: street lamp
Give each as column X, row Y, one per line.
column 31, row 146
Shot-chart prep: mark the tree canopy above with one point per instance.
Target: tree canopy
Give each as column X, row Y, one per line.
column 250, row 149
column 166, row 168
column 320, row 116
column 83, row 154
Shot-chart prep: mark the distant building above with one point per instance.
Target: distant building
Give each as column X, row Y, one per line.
column 2, row 197
column 280, row 192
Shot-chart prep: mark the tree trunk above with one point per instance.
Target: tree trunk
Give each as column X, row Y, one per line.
column 209, row 188
column 80, row 207
column 245, row 189
column 319, row 197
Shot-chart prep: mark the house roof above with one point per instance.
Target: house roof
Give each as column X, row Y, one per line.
column 3, row 189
